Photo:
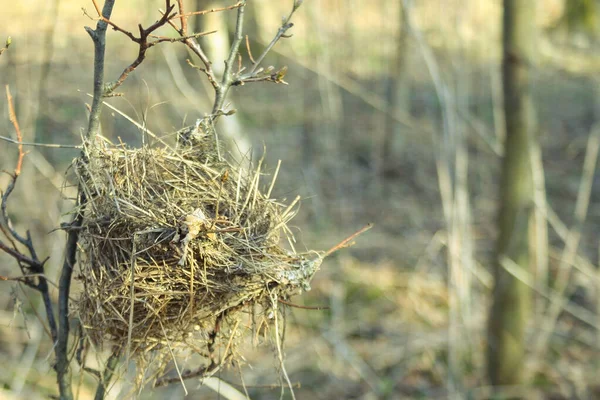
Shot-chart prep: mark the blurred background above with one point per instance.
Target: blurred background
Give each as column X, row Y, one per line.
column 393, row 115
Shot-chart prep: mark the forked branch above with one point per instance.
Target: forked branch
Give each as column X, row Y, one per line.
column 31, row 266
column 230, row 76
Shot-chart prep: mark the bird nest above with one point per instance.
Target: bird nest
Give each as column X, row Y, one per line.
column 179, row 249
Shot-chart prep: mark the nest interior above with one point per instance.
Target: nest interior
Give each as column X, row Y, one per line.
column 177, row 241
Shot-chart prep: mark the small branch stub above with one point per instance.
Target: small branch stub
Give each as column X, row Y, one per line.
column 6, row 45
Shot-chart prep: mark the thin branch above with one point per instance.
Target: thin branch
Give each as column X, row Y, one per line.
column 64, row 284
column 21, row 258
column 249, row 50
column 162, row 39
column 6, row 45
column 99, row 38
column 184, row 16
column 144, row 45
column 221, row 88
column 13, row 119
column 182, row 19
column 257, row 74
column 199, row 372
column 48, row 145
column 280, row 33
column 167, row 16
column 96, row 7
column 228, row 78
column 348, row 241
column 28, row 276
column 111, row 366
column 194, row 46
column 29, row 264
column 287, row 303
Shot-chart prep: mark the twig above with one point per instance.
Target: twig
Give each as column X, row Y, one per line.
column 200, row 372
column 228, row 78
column 162, row 39
column 287, row 303
column 13, row 119
column 249, row 50
column 280, row 33
column 49, row 145
column 64, row 284
column 111, row 366
column 30, row 265
column 183, row 17
column 296, row 385
column 255, row 74
column 99, row 38
column 143, row 39
column 347, row 242
column 6, row 45
column 231, row 78
column 194, row 45
column 143, row 43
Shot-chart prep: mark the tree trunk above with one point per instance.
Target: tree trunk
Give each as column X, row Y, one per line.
column 398, row 93
column 511, row 297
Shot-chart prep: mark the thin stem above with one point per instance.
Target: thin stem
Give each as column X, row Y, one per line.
column 228, row 78
column 50, row 145
column 64, row 285
column 99, row 38
column 111, row 366
column 280, row 33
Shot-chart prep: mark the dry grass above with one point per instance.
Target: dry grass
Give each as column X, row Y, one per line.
column 178, row 247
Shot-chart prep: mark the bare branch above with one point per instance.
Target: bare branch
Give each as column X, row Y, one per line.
column 99, row 38
column 254, row 74
column 182, row 19
column 200, row 372
column 64, row 284
column 109, row 370
column 249, row 51
column 31, row 266
column 13, row 119
column 280, row 33
column 204, row 12
column 144, row 45
column 49, row 145
column 348, row 241
column 287, row 303
column 194, row 46
column 162, row 39
column 228, row 78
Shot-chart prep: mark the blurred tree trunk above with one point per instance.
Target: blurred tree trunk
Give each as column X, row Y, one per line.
column 398, row 92
column 511, row 298
column 580, row 15
column 42, row 118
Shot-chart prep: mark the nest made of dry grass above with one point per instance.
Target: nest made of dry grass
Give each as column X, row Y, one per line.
column 176, row 243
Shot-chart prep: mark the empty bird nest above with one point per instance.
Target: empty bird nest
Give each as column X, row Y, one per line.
column 181, row 250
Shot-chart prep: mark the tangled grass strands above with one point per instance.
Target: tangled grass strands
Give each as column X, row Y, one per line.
column 178, row 248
